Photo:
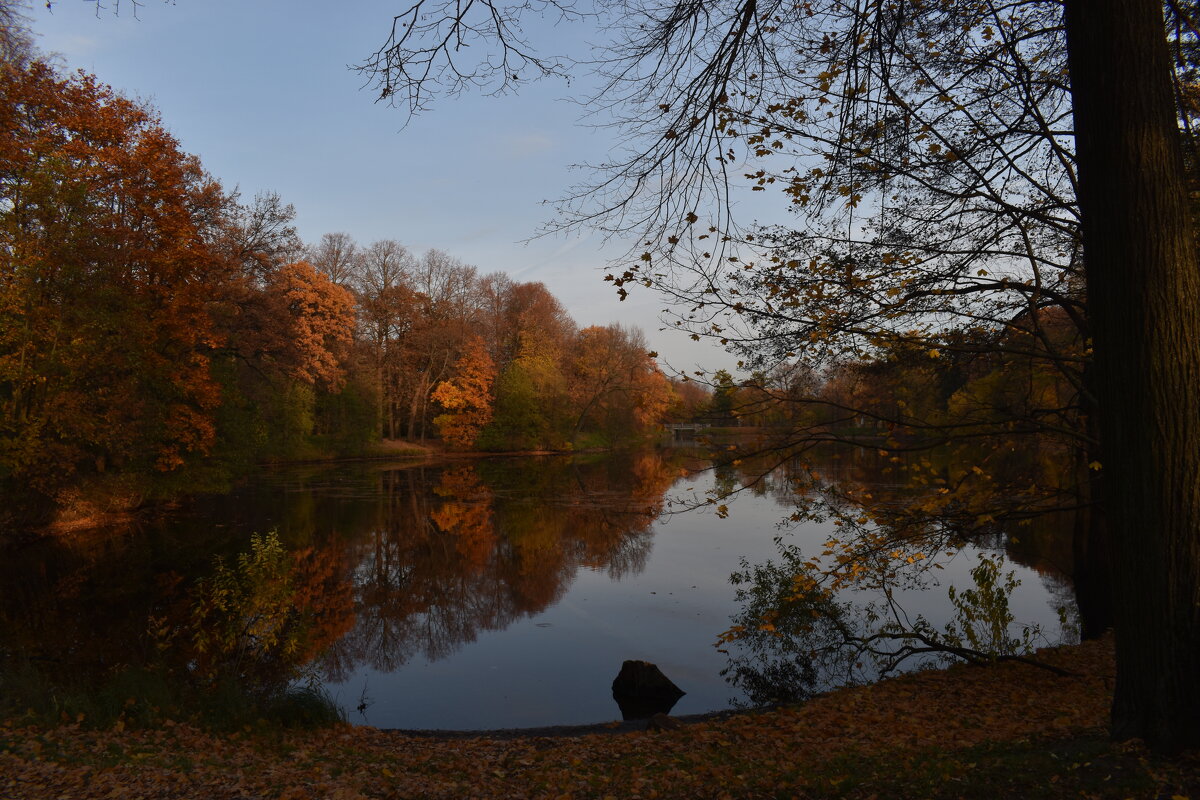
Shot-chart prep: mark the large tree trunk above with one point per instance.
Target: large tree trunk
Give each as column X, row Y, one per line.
column 1144, row 308
column 1091, row 573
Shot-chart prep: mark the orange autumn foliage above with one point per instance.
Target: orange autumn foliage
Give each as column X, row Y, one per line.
column 466, row 397
column 467, row 514
column 614, row 383
column 105, row 277
column 312, row 321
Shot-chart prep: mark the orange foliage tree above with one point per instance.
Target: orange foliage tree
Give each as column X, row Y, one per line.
column 614, row 382
column 307, row 324
column 146, row 316
column 105, row 276
column 466, row 397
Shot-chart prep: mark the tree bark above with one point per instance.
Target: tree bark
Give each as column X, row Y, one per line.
column 1091, row 573
column 1144, row 308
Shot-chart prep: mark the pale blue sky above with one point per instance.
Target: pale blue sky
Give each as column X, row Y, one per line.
column 261, row 91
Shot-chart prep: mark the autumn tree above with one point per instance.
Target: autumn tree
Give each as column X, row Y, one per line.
column 154, row 327
column 106, row 277
column 336, row 255
column 16, row 42
column 431, row 329
column 306, row 325
column 446, row 313
column 259, row 236
column 614, row 385
column 518, row 313
column 722, row 409
column 532, row 408
column 689, row 399
column 415, row 314
column 466, row 397
column 775, row 398
column 386, row 303
column 531, row 334
column 287, row 330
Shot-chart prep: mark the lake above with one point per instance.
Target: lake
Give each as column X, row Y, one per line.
column 478, row 593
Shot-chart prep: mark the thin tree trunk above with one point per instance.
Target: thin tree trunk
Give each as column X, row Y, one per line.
column 391, row 406
column 381, row 390
column 420, row 389
column 1144, row 309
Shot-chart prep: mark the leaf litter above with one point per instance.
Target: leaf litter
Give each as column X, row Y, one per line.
column 922, row 734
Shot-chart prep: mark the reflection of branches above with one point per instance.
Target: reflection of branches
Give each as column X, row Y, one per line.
column 419, row 596
column 927, row 500
column 892, row 648
column 631, row 553
column 793, row 635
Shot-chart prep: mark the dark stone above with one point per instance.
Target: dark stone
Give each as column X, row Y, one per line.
column 642, row 690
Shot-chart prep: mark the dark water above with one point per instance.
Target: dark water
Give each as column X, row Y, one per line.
column 490, row 593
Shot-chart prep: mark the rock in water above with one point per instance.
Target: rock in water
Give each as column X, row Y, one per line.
column 642, row 690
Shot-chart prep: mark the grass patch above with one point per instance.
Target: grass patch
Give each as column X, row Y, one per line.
column 143, row 698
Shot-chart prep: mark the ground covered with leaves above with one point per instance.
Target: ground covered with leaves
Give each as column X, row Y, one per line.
column 1010, row 730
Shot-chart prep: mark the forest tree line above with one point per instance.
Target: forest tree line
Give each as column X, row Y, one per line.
column 160, row 333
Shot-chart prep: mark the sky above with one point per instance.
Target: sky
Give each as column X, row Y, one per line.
column 262, row 92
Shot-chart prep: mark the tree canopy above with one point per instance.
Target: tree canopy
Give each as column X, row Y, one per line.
column 159, row 334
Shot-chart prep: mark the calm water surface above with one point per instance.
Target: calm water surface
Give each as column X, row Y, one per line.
column 490, row 593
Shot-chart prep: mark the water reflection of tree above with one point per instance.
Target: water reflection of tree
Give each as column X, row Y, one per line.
column 99, row 604
column 896, row 520
column 926, row 499
column 385, row 563
column 454, row 552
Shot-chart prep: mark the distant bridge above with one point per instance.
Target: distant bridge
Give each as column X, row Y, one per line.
column 678, row 428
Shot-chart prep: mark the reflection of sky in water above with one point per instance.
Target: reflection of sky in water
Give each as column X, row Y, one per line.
column 557, row 666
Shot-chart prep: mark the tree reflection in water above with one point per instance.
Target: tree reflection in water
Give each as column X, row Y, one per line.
column 386, row 563
column 837, row 614
column 488, row 544
column 398, row 563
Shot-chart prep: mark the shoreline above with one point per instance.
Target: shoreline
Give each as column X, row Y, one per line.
column 1007, row 730
column 80, row 514
column 614, row 727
